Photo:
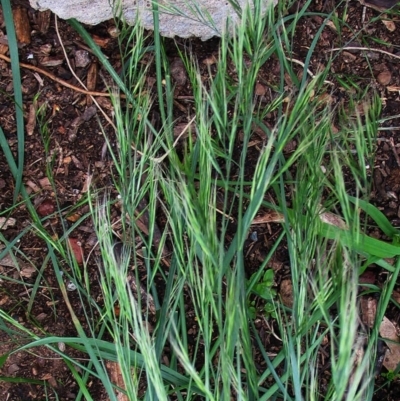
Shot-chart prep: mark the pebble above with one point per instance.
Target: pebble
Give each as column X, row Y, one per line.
column 82, row 58
column 260, row 89
column 178, row 72
column 384, row 78
column 71, row 286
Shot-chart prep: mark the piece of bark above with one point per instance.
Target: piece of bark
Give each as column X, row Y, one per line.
column 22, row 25
column 91, row 82
column 43, row 20
column 3, row 43
column 31, row 123
column 7, row 222
column 389, row 333
column 115, row 374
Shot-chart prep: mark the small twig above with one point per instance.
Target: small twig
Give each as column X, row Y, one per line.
column 65, row 53
column 336, row 49
column 393, row 147
column 364, row 13
column 77, row 78
column 56, row 79
column 271, row 328
column 309, row 72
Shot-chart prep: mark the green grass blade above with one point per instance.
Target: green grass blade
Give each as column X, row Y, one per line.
column 361, row 243
column 379, row 218
column 16, row 76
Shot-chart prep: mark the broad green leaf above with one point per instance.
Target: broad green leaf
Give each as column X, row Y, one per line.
column 361, row 243
column 376, row 215
column 3, row 359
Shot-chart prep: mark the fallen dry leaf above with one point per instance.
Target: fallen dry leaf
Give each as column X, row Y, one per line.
column 49, row 377
column 286, row 292
column 269, row 217
column 331, row 25
column 393, row 88
column 114, row 370
column 102, row 42
column 10, row 260
column 389, row 332
column 76, row 248
column 368, row 310
column 333, row 220
column 27, row 271
column 276, row 217
column 45, row 183
column 7, row 222
column 31, row 186
column 74, row 217
column 390, row 25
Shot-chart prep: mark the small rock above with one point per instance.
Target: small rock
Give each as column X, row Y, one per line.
column 384, row 78
column 82, row 58
column 13, row 368
column 71, row 286
column 254, row 236
column 151, row 81
column 290, row 147
column 260, row 89
column 178, row 72
column 46, row 208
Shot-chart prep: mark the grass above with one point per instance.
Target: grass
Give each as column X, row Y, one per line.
column 199, row 263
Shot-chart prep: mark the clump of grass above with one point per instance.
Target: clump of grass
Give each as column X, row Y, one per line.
column 200, row 189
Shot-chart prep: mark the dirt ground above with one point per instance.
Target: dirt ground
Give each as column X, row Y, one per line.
column 74, row 140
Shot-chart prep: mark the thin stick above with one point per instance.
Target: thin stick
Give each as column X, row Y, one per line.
column 336, row 49
column 77, row 78
column 309, row 72
column 56, row 79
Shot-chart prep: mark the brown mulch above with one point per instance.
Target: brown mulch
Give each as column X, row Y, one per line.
column 69, row 142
